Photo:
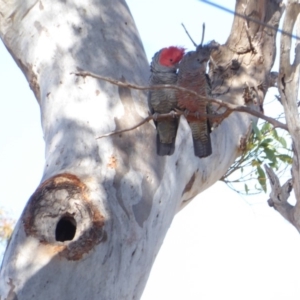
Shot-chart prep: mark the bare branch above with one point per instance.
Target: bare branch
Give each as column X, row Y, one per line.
column 203, row 33
column 229, row 106
column 248, row 35
column 297, row 46
column 286, row 41
column 279, row 195
column 288, row 84
column 213, row 118
column 127, row 129
column 189, row 35
column 249, row 38
column 275, row 123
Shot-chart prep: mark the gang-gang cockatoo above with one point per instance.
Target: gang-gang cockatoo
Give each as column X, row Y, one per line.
column 192, row 76
column 163, row 67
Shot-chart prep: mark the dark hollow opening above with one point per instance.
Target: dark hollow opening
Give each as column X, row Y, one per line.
column 65, row 229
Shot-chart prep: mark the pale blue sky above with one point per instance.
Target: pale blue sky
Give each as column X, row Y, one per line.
column 221, row 246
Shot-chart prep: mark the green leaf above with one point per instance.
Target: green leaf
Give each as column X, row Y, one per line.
column 260, row 161
column 273, row 165
column 265, row 145
column 270, row 154
column 250, row 145
column 282, row 141
column 246, row 188
column 257, row 133
column 275, row 134
column 285, row 158
column 262, row 178
column 266, row 142
column 266, row 127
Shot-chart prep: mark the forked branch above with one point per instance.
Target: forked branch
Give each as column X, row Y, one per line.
column 279, row 196
column 229, row 107
column 174, row 114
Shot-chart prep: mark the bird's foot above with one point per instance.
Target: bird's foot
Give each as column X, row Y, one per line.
column 155, row 116
column 173, row 113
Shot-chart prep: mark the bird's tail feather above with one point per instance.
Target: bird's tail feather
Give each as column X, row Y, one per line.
column 163, row 149
column 201, row 138
column 202, row 149
column 166, row 136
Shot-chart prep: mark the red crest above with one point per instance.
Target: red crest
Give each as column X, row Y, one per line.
column 171, row 56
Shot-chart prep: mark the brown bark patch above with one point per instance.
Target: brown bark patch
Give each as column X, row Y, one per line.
column 112, row 163
column 189, row 185
column 32, row 78
column 63, row 218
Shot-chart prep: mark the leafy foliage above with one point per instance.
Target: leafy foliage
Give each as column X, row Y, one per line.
column 266, row 145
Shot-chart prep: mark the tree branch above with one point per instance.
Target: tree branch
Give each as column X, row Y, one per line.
column 203, row 33
column 279, row 196
column 228, row 106
column 193, row 42
column 173, row 114
column 288, row 84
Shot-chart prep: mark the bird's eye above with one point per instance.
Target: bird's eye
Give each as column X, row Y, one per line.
column 171, row 59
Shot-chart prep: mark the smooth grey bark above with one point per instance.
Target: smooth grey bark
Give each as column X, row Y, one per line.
column 94, row 225
column 288, row 85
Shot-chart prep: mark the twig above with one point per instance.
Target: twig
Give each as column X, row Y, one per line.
column 247, row 32
column 203, row 33
column 249, row 38
column 134, row 86
column 170, row 115
column 189, row 35
column 275, row 123
column 127, row 129
column 229, row 106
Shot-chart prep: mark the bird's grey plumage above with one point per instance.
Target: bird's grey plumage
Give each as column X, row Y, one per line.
column 163, row 101
column 192, row 75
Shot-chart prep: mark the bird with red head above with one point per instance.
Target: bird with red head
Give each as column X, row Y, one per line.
column 163, row 67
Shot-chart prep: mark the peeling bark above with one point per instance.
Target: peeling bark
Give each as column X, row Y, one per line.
column 120, row 197
column 288, row 85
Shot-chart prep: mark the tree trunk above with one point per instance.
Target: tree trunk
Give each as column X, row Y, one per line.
column 94, row 225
